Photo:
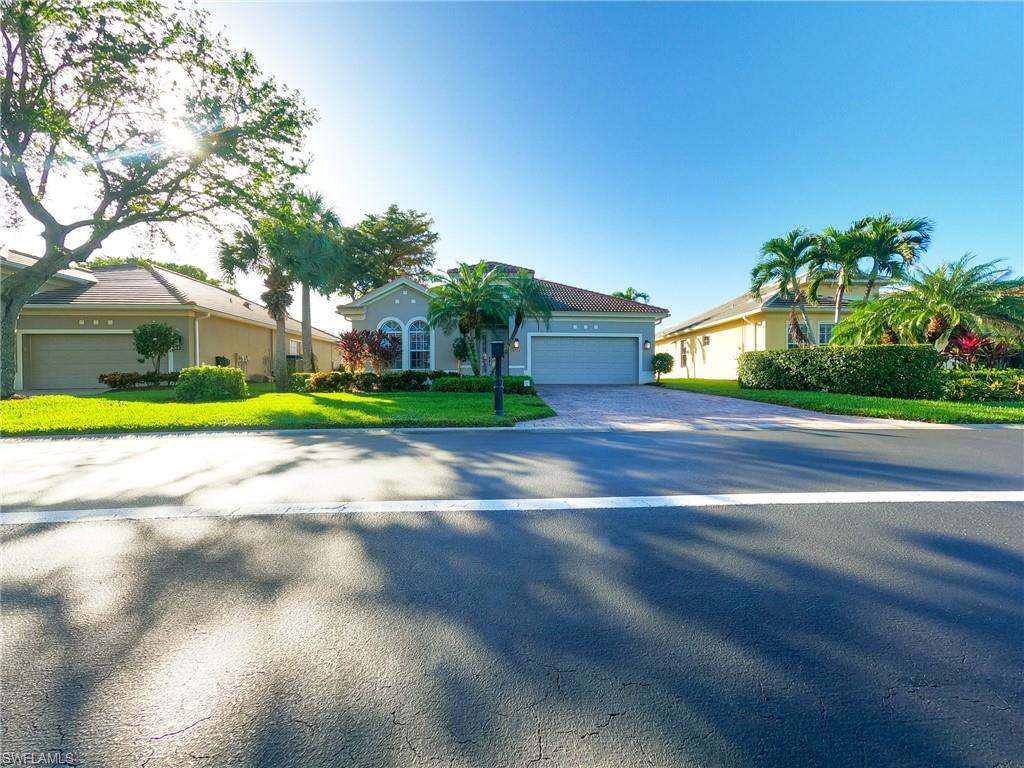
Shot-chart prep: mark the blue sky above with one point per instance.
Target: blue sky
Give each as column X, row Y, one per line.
column 656, row 145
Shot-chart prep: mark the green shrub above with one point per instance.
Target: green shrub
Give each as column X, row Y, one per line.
column 131, row 379
column 402, row 381
column 205, row 383
column 984, row 384
column 365, row 381
column 887, row 370
column 329, row 381
column 514, row 385
column 442, row 374
column 300, row 381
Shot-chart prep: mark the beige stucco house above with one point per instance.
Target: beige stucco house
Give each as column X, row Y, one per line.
column 593, row 338
column 79, row 325
column 708, row 345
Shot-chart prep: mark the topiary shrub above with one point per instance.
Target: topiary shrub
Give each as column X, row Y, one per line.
column 514, row 385
column 402, row 381
column 205, row 383
column 131, row 379
column 662, row 362
column 300, row 381
column 330, row 381
column 983, row 384
column 888, row 370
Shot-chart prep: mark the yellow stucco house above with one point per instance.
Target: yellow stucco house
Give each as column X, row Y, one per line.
column 708, row 345
column 79, row 325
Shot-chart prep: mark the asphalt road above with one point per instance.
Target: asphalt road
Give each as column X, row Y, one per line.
column 804, row 635
column 863, row 635
column 245, row 469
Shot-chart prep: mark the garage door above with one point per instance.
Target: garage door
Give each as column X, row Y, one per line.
column 584, row 360
column 74, row 361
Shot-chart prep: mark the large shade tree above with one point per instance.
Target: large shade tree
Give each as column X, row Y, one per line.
column 470, row 298
column 931, row 304
column 114, row 115
column 385, row 246
column 263, row 249
column 784, row 261
column 890, row 246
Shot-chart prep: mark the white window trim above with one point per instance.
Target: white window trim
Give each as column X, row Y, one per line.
column 407, row 345
column 829, row 323
column 639, row 348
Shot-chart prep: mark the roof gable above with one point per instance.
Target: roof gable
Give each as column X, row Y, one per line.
column 379, row 293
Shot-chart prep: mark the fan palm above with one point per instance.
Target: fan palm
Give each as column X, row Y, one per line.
column 931, row 303
column 469, row 298
column 782, row 261
column 892, row 245
column 632, row 294
column 834, row 259
column 256, row 249
column 314, row 232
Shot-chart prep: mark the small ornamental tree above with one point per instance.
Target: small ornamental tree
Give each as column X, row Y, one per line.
column 662, row 362
column 353, row 348
column 381, row 349
column 153, row 341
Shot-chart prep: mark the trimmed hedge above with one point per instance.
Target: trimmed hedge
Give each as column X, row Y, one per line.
column 985, row 384
column 329, row 381
column 206, row 383
column 300, row 380
column 514, row 385
column 132, row 379
column 886, row 370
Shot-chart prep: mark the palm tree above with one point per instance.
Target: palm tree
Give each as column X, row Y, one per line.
column 632, row 294
column 932, row 303
column 315, row 231
column 469, row 298
column 529, row 301
column 834, row 258
column 256, row 249
column 782, row 261
column 892, row 245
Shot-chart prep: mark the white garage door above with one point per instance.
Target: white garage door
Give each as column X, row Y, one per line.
column 75, row 360
column 584, row 360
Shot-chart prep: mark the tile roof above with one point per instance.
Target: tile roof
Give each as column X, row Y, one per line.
column 133, row 285
column 114, row 285
column 211, row 297
column 568, row 298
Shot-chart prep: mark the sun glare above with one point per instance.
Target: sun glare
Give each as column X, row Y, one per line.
column 179, row 138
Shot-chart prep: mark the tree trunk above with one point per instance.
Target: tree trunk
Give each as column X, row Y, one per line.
column 280, row 358
column 474, row 361
column 807, row 321
column 871, row 282
column 307, row 330
column 840, row 292
column 8, row 347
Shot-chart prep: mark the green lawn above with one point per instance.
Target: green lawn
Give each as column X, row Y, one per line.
column 939, row 411
column 156, row 410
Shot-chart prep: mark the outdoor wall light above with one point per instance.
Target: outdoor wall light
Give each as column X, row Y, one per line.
column 515, row 343
column 647, row 344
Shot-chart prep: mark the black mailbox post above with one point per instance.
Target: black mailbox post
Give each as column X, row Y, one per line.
column 498, row 352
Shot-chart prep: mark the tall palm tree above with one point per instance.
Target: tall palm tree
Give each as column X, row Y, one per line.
column 783, row 260
column 315, row 232
column 932, row 303
column 892, row 245
column 256, row 249
column 834, row 258
column 469, row 298
column 529, row 301
column 632, row 294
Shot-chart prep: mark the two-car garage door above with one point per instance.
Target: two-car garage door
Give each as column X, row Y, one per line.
column 584, row 359
column 75, row 360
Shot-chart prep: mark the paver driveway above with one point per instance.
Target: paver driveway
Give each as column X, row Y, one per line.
column 655, row 408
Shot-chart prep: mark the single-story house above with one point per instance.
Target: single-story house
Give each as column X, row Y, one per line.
column 79, row 325
column 593, row 338
column 708, row 345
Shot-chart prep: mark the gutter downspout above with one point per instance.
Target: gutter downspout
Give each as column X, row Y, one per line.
column 754, row 326
column 196, row 326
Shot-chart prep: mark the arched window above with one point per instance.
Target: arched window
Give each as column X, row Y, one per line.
column 393, row 329
column 419, row 346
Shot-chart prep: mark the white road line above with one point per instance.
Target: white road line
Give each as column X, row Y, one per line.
column 509, row 505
